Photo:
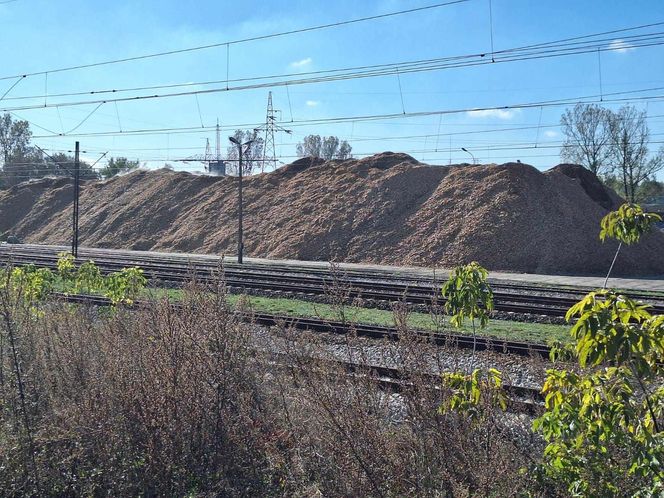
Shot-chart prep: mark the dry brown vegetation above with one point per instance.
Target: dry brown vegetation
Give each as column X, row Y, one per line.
column 387, row 208
column 175, row 401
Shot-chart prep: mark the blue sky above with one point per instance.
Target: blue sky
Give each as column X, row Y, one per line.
column 40, row 35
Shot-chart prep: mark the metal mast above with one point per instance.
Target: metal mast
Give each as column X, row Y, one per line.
column 270, row 126
column 218, row 150
column 269, row 152
column 213, row 162
column 77, row 193
column 208, row 155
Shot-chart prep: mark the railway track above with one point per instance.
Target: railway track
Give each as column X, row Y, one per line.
column 374, row 285
column 522, row 399
column 312, row 324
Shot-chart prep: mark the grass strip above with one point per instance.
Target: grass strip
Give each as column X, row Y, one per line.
column 501, row 329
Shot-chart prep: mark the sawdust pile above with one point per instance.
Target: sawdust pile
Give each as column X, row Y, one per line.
column 387, row 208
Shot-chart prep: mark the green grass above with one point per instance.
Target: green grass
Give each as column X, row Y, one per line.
column 501, row 329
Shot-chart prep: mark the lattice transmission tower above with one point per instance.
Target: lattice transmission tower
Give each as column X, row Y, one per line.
column 270, row 127
column 218, row 148
column 213, row 163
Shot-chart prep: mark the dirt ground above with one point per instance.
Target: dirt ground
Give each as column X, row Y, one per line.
column 387, row 208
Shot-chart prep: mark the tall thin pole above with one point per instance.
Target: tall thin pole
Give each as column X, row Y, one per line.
column 468, row 152
column 218, row 145
column 240, row 245
column 269, row 151
column 77, row 189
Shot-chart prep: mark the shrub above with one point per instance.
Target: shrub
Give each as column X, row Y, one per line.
column 185, row 399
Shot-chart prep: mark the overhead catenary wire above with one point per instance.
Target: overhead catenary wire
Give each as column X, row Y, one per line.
column 365, row 71
column 479, row 149
column 219, row 90
column 539, row 125
column 599, row 70
column 198, row 106
column 575, row 42
column 62, row 128
column 196, row 130
column 12, row 87
column 100, row 158
column 34, row 124
column 400, row 115
column 117, row 115
column 56, row 162
column 85, row 119
column 649, row 39
column 240, row 40
column 404, row 138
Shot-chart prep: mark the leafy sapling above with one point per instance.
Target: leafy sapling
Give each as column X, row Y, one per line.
column 473, row 394
column 626, row 225
column 468, row 296
column 66, row 266
column 603, row 421
column 125, row 286
column 88, row 279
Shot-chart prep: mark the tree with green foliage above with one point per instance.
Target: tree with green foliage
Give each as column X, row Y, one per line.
column 604, row 418
column 324, row 147
column 119, row 165
column 602, row 423
column 61, row 164
column 252, row 154
column 473, row 394
column 22, row 161
column 469, row 296
column 626, row 225
column 650, row 190
column 14, row 148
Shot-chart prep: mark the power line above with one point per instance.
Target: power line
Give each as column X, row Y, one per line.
column 408, row 138
column 480, row 148
column 388, row 116
column 12, row 87
column 527, row 50
column 241, row 40
column 370, row 71
column 353, row 72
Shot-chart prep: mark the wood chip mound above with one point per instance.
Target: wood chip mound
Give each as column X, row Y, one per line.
column 387, row 208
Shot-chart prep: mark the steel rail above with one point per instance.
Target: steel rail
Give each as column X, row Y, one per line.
column 314, row 324
column 523, row 399
column 204, row 260
column 362, row 285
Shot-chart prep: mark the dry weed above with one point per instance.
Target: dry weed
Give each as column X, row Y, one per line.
column 184, row 398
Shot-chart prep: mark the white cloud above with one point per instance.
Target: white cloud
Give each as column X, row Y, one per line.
column 493, row 113
column 620, row 46
column 312, row 103
column 302, row 62
column 550, row 134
